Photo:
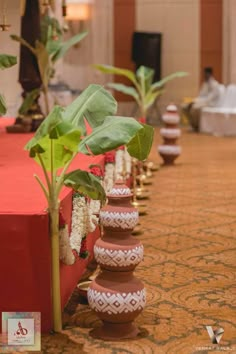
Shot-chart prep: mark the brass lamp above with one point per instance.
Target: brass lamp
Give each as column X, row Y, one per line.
column 78, row 11
column 4, row 25
column 141, row 207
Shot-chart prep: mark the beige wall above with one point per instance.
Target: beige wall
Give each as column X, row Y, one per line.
column 229, row 41
column 178, row 20
column 75, row 69
column 9, row 85
column 97, row 47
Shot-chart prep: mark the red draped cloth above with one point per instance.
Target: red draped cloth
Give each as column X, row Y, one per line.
column 24, row 233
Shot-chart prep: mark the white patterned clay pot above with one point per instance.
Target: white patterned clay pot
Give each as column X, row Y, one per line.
column 169, row 151
column 116, row 295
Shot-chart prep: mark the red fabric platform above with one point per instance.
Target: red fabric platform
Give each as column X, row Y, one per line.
column 24, row 238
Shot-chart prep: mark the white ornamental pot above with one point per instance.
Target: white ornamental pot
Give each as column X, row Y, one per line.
column 170, row 133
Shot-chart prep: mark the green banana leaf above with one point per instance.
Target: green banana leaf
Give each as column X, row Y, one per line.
column 52, row 23
column 23, row 42
column 94, row 104
column 159, row 84
column 42, row 57
column 140, row 145
column 127, row 90
column 55, row 127
column 114, row 132
column 52, row 45
column 43, row 62
column 50, row 122
column 56, row 152
column 28, row 101
column 6, row 61
column 85, row 183
column 3, row 108
column 150, row 98
column 108, row 69
column 55, row 141
column 145, row 77
column 58, row 138
column 65, row 46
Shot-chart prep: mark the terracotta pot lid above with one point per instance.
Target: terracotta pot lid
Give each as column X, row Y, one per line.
column 120, row 190
column 171, row 108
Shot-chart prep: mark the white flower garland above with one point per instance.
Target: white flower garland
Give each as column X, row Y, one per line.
column 83, row 221
column 109, row 177
column 95, row 206
column 122, row 160
column 66, row 254
column 78, row 222
column 128, row 163
column 119, row 164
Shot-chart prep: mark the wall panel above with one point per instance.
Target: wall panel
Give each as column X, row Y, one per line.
column 211, row 34
column 178, row 21
column 124, row 26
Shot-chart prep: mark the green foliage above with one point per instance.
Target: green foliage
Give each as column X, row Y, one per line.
column 3, row 108
column 65, row 46
column 94, row 104
column 23, row 42
column 47, row 52
column 144, row 91
column 140, row 145
column 108, row 69
column 29, row 101
column 52, row 38
column 86, row 183
column 6, row 61
column 50, row 26
column 145, row 77
column 43, row 60
column 47, row 126
column 49, row 49
column 57, row 142
column 61, row 136
column 127, row 90
column 161, row 83
column 150, row 98
column 61, row 155
column 114, row 132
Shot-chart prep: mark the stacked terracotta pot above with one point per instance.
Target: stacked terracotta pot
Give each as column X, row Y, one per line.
column 169, row 151
column 116, row 295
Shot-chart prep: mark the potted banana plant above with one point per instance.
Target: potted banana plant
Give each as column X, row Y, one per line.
column 48, row 50
column 143, row 89
column 59, row 139
column 6, row 61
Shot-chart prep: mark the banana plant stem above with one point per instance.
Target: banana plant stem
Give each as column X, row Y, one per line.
column 55, row 250
column 45, row 93
column 55, row 268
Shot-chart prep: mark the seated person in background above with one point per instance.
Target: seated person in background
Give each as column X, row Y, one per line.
column 208, row 96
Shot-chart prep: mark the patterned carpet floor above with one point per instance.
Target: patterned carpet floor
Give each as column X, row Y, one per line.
column 189, row 265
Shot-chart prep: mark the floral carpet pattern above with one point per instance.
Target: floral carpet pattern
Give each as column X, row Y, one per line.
column 189, row 264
